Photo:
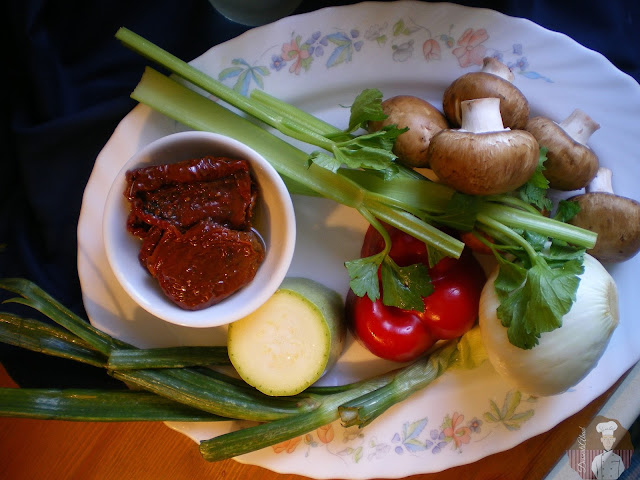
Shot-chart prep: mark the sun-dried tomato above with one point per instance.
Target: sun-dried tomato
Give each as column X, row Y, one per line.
column 195, row 220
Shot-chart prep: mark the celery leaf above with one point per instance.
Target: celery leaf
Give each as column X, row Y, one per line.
column 461, row 212
column 363, row 276
column 566, row 210
column 366, row 107
column 535, row 190
column 534, row 300
column 404, row 287
column 371, row 151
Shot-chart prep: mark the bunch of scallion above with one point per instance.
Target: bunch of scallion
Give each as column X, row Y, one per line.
column 176, row 384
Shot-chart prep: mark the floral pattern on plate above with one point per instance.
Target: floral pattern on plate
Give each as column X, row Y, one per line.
column 453, row 432
column 403, row 40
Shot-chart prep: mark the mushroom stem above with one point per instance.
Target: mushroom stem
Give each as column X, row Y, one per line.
column 481, row 115
column 601, row 182
column 579, row 126
column 495, row 66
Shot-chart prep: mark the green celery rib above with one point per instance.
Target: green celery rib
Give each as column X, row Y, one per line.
column 516, row 218
column 181, row 68
column 96, row 406
column 169, row 357
column 413, row 192
column 416, row 228
column 40, row 337
column 305, row 119
column 193, row 110
column 293, row 123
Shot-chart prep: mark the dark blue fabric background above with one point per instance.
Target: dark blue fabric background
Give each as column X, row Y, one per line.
column 69, row 85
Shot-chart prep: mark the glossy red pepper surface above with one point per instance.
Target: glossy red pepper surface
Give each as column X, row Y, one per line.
column 451, row 310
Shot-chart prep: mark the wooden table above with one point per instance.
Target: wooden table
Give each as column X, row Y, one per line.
column 37, row 449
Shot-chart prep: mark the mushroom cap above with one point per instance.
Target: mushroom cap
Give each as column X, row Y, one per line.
column 483, row 163
column 514, row 107
column 570, row 165
column 424, row 121
column 615, row 219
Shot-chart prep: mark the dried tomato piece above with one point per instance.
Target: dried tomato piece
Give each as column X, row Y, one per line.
column 184, row 193
column 205, row 264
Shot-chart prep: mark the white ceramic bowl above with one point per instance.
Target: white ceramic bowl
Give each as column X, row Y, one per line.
column 273, row 218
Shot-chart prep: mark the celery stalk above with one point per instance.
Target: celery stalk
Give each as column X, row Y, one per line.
column 515, row 218
column 373, row 152
column 306, row 120
column 193, row 110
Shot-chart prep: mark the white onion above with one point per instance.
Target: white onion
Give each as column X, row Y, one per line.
column 564, row 356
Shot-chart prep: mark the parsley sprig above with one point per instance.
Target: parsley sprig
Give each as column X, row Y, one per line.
column 402, row 287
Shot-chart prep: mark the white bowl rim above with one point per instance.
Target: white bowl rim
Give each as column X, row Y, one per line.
column 241, row 303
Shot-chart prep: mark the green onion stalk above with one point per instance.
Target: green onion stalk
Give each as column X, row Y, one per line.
column 187, row 385
column 171, row 393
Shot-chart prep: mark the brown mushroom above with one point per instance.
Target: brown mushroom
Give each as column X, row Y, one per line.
column 614, row 218
column 424, row 121
column 570, row 163
column 483, row 158
column 494, row 80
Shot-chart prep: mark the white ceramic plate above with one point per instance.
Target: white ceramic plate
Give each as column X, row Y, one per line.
column 411, row 48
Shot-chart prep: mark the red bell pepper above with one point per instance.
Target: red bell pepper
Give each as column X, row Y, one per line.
column 451, row 310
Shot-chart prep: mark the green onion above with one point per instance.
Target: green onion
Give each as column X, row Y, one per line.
column 169, row 357
column 198, row 390
column 33, row 296
column 96, row 406
column 192, row 393
column 182, row 385
column 358, row 405
column 363, row 410
column 39, row 337
column 255, row 438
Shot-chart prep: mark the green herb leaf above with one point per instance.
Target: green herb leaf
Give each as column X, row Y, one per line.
column 566, row 210
column 325, row 160
column 435, row 255
column 537, row 305
column 404, row 287
column 461, row 212
column 535, row 190
column 363, row 276
column 366, row 107
column 370, row 151
column 538, row 241
column 560, row 252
